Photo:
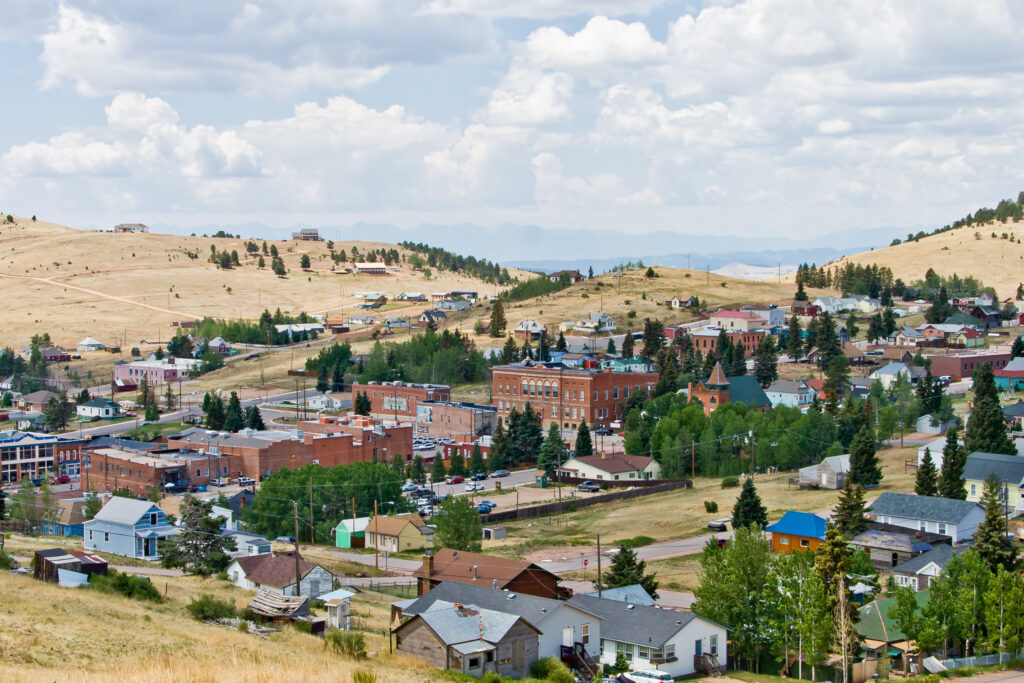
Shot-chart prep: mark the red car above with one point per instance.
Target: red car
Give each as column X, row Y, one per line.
column 454, row 480
column 62, row 479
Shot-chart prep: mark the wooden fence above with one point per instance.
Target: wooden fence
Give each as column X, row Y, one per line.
column 576, row 503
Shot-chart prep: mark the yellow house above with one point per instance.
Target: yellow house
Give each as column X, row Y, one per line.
column 398, row 533
column 1009, row 469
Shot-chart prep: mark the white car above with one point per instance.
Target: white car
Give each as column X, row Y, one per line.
column 474, row 486
column 643, row 676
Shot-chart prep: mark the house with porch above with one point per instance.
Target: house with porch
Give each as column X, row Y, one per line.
column 677, row 643
column 789, row 392
column 1009, row 469
column 129, row 527
column 275, row 572
column 604, row 467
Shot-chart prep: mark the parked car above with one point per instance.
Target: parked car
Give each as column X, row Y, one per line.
column 484, row 509
column 409, row 487
column 589, row 487
column 719, row 524
column 284, row 539
column 498, row 474
column 474, row 486
column 422, row 492
column 62, row 479
column 488, row 503
column 454, row 480
column 603, row 431
column 645, row 676
column 246, row 481
column 479, row 476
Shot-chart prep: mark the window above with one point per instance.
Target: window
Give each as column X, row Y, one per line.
column 643, row 652
column 670, row 651
column 90, row 534
column 974, row 489
column 106, row 537
column 615, row 393
column 804, row 543
column 924, row 526
column 714, row 645
column 585, row 634
column 152, row 519
column 624, row 649
column 942, row 528
column 783, row 540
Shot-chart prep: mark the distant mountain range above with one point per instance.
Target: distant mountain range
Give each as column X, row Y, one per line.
column 537, row 248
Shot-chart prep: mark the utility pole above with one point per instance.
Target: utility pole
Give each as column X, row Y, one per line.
column 376, row 537
column 312, row 539
column 298, row 570
column 599, row 565
column 693, row 462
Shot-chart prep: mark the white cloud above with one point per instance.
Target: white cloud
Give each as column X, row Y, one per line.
column 70, row 154
column 540, row 9
column 602, row 42
column 528, row 97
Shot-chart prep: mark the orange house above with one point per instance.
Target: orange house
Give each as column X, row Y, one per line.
column 797, row 531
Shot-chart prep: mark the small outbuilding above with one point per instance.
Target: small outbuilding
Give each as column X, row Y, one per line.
column 91, row 344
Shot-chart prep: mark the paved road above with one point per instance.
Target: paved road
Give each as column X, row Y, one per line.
column 515, row 479
column 571, row 559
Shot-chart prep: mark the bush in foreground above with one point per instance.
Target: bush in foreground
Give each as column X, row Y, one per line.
column 135, row 587
column 350, row 643
column 209, row 608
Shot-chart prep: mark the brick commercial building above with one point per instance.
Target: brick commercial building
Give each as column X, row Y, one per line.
column 328, row 442
column 154, row 371
column 139, row 471
column 565, row 395
column 706, row 339
column 444, row 419
column 398, row 400
column 961, row 365
column 30, row 455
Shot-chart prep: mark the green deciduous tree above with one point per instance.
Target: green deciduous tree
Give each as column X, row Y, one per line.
column 416, row 470
column 748, row 510
column 198, row 547
column 926, row 483
column 58, row 412
column 628, row 570
column 1004, row 611
column 457, row 526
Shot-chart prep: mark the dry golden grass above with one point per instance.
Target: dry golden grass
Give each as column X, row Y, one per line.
column 996, row 262
column 49, row 633
column 681, row 514
column 156, row 282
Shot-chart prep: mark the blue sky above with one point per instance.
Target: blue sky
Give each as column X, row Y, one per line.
column 764, row 117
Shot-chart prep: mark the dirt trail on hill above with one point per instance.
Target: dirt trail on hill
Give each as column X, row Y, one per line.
column 103, row 295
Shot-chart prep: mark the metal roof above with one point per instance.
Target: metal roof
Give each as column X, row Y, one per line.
column 932, row 509
column 799, row 524
column 633, row 594
column 460, row 623
column 530, row 607
column 126, row 510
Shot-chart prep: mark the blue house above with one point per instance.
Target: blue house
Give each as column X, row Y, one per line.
column 128, row 527
column 70, row 519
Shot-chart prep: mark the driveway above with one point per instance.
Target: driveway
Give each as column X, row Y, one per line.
column 562, row 560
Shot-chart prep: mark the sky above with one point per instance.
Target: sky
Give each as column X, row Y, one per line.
column 763, row 117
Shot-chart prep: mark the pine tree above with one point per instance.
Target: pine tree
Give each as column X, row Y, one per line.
column 627, row 345
column 864, row 467
column 986, row 430
column 951, row 477
column 927, row 481
column 498, row 457
column 766, row 362
column 800, row 295
column 561, row 345
column 254, row 418
column 1017, row 350
column 584, row 444
column 304, row 262
column 832, row 562
column 748, row 509
column 990, row 540
column 628, row 570
column 457, row 464
column 322, row 384
column 198, row 547
column 510, row 352
column 849, row 512
column 476, row 460
column 338, row 378
column 498, row 322
column 362, row 404
column 215, row 413
column 233, row 420
column 416, row 470
column 169, row 398
column 437, row 471
column 611, row 346
column 552, row 451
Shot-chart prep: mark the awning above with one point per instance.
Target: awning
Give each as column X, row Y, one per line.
column 894, row 653
column 472, row 647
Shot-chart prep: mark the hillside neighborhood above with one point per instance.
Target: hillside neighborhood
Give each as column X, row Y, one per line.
column 825, row 487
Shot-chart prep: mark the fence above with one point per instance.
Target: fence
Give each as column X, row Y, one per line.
column 983, row 660
column 611, row 483
column 576, row 503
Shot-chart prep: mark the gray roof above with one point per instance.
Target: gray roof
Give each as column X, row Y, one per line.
column 1014, row 409
column 891, row 369
column 837, row 463
column 124, row 510
column 530, row 607
column 940, row 555
column 634, row 594
column 788, row 386
column 1009, row 468
column 464, row 624
column 909, row 506
column 638, row 624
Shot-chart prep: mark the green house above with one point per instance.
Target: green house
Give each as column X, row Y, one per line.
column 351, row 533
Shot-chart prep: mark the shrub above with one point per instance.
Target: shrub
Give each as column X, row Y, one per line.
column 6, row 561
column 559, row 673
column 490, row 677
column 303, row 626
column 350, row 643
column 209, row 608
column 710, row 506
column 631, row 314
column 363, row 676
column 137, row 587
column 243, row 625
column 636, row 541
column 539, row 669
column 730, row 482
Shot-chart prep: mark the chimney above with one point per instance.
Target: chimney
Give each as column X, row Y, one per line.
column 474, row 572
column 494, row 584
column 430, row 564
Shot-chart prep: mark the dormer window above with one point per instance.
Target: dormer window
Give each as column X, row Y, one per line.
column 152, row 519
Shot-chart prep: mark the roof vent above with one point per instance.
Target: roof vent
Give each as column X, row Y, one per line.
column 630, row 606
column 510, row 596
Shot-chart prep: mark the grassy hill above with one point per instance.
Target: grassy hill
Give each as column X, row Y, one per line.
column 121, row 288
column 980, row 251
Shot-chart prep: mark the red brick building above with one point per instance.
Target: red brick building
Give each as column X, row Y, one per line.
column 112, row 469
column 706, row 339
column 960, row 365
column 398, row 400
column 568, row 396
column 453, row 420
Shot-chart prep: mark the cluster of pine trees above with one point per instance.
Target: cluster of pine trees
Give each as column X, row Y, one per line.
column 852, row 278
column 1007, row 209
column 449, row 357
column 442, row 259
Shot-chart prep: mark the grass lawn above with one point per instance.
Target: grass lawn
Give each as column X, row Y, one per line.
column 152, row 431
column 680, row 514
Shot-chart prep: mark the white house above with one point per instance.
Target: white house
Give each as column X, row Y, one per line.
column 560, row 623
column 792, row 393
column 102, row 408
column 129, row 527
column 918, row 572
column 773, row 315
column 829, row 304
column 654, row 638
column 276, row 572
column 887, row 374
column 248, row 544
column 958, row 519
column 91, row 344
column 611, row 467
column 330, row 402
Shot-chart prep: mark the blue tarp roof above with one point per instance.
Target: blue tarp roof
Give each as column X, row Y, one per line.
column 799, row 524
